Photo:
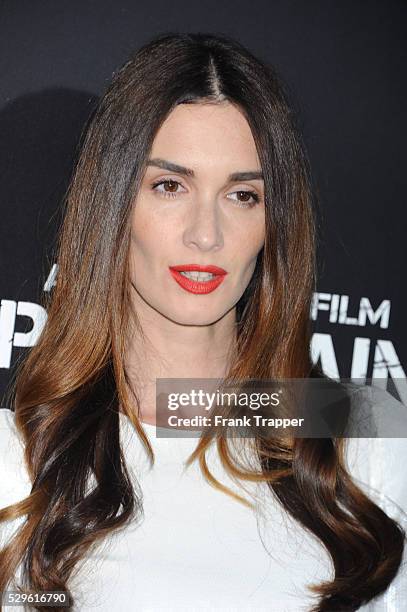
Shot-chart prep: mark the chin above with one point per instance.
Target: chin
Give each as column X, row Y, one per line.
column 194, row 318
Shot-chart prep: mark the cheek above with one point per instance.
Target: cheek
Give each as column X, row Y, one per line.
column 251, row 242
column 147, row 237
column 247, row 251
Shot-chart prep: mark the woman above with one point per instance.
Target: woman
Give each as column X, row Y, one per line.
column 191, row 159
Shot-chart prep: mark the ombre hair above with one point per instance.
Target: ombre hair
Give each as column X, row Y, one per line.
column 73, row 383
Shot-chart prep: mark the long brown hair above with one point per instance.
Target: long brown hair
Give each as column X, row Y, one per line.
column 73, row 383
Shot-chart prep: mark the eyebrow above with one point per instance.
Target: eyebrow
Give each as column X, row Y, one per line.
column 248, row 175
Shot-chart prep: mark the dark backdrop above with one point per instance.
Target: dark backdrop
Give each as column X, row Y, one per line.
column 344, row 63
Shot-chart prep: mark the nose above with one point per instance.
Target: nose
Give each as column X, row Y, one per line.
column 203, row 228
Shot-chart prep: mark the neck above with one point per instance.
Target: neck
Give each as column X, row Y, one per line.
column 166, row 349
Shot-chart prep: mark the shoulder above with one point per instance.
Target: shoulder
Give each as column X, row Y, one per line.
column 376, row 461
column 14, row 480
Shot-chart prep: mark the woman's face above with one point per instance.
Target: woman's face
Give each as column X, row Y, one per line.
column 201, row 203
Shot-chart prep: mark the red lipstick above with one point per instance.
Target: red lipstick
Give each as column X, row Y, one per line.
column 196, row 286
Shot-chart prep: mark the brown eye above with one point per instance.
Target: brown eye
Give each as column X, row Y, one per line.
column 168, row 188
column 245, row 198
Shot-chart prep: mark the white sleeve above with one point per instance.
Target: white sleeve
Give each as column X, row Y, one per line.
column 15, row 484
column 378, row 467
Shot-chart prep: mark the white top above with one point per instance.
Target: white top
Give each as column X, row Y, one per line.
column 198, row 549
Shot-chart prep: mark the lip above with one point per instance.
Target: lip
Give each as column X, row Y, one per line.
column 197, row 287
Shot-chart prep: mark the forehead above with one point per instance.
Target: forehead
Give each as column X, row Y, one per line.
column 217, row 133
